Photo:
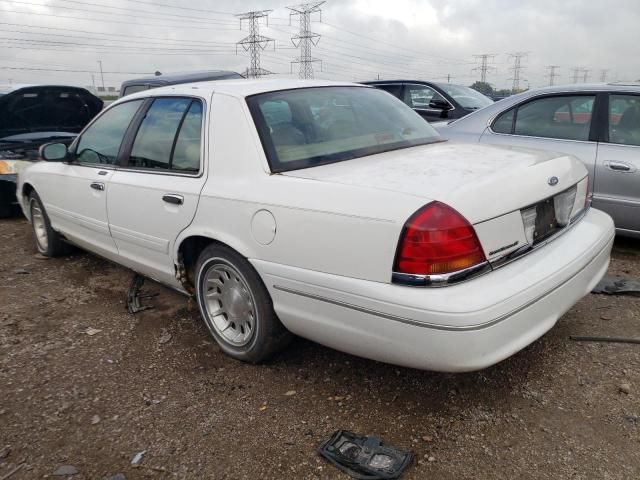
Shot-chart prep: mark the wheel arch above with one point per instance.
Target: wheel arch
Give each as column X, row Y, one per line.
column 188, row 249
column 26, row 190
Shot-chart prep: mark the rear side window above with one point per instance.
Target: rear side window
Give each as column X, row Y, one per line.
column 563, row 117
column 100, row 143
column 624, row 119
column 169, row 136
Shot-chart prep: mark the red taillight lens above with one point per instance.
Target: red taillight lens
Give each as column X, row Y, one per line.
column 435, row 240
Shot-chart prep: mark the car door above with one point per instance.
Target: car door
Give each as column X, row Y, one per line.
column 154, row 194
column 427, row 102
column 617, row 180
column 75, row 194
column 556, row 122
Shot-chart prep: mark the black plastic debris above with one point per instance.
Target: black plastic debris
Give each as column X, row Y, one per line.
column 135, row 296
column 365, row 458
column 618, row 286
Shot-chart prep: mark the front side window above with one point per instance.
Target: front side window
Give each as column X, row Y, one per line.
column 624, row 119
column 563, row 117
column 169, row 136
column 420, row 96
column 100, row 143
column 312, row 126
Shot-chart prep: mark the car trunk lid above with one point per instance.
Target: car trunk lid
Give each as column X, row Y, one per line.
column 492, row 187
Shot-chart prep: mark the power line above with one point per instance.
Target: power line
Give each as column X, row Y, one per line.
column 254, row 43
column 118, row 35
column 484, row 65
column 104, row 20
column 72, row 70
column 305, row 38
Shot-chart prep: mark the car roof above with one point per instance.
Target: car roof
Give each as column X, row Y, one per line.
column 4, row 89
column 240, row 87
column 418, row 82
column 183, row 77
column 587, row 87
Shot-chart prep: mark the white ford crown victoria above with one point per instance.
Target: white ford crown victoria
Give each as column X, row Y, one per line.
column 327, row 210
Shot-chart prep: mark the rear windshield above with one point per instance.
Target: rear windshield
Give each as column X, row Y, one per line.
column 313, row 126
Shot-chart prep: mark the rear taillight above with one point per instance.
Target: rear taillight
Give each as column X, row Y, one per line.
column 437, row 240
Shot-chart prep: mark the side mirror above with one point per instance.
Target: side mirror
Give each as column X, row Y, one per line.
column 53, row 152
column 440, row 104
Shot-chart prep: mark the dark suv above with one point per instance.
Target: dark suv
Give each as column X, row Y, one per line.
column 435, row 102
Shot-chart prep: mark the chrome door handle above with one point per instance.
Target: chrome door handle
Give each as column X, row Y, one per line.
column 97, row 186
column 173, row 198
column 618, row 166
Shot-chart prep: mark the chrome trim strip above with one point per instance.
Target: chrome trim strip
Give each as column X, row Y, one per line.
column 440, row 280
column 435, row 326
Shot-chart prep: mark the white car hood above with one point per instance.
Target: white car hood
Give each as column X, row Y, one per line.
column 481, row 181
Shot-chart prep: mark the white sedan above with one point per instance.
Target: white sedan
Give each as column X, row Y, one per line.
column 327, row 210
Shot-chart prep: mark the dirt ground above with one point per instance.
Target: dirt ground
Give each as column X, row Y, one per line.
column 83, row 384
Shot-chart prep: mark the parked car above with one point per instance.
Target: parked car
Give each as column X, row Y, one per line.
column 140, row 84
column 599, row 124
column 435, row 102
column 31, row 115
column 329, row 210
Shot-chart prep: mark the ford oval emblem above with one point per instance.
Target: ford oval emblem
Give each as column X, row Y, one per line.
column 553, row 181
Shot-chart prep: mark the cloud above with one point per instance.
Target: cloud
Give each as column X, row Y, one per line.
column 361, row 39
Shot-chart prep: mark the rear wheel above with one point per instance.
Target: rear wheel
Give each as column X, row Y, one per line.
column 236, row 306
column 48, row 241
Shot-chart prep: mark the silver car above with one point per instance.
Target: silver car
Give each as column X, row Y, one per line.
column 600, row 124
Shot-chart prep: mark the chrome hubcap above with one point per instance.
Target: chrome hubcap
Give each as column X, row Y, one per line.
column 39, row 227
column 229, row 304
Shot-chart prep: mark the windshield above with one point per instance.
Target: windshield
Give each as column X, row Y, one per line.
column 467, row 97
column 312, row 126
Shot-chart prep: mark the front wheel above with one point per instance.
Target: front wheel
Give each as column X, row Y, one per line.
column 48, row 242
column 236, row 306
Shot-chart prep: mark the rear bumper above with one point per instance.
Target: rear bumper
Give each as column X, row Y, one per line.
column 458, row 328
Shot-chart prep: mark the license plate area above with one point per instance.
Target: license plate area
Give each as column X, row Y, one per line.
column 546, row 222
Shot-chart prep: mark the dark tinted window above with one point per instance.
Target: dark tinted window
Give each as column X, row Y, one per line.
column 100, row 143
column 564, row 117
column 394, row 89
column 504, row 122
column 186, row 154
column 154, row 141
column 624, row 119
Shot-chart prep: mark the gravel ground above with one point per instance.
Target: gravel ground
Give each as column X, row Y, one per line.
column 86, row 386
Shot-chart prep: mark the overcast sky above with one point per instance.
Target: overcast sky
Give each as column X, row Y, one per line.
column 361, row 39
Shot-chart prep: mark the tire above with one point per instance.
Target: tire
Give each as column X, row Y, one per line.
column 236, row 306
column 48, row 242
